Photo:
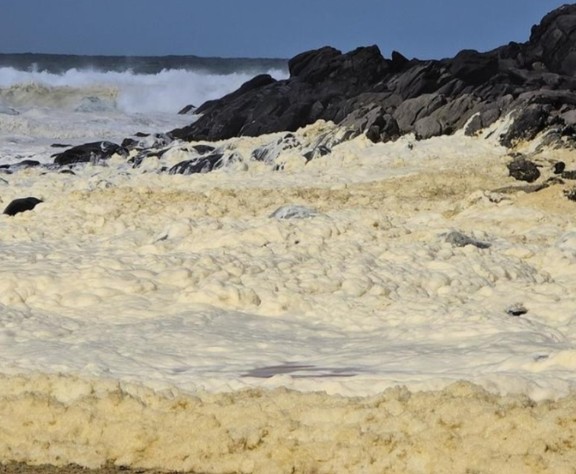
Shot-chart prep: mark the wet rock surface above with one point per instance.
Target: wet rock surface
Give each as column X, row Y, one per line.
column 88, row 153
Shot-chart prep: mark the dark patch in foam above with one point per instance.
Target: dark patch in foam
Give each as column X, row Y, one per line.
column 295, row 370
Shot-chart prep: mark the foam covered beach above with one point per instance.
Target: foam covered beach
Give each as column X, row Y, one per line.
column 326, row 298
column 187, row 285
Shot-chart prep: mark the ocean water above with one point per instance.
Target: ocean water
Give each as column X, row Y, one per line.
column 46, row 99
column 283, row 315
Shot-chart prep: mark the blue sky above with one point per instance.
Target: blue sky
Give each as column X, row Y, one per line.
column 264, row 28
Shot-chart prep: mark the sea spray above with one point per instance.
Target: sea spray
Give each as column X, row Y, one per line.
column 166, row 91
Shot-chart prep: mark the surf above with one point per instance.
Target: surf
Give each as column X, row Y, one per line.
column 166, row 91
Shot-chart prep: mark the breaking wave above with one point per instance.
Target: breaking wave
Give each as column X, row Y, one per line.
column 167, row 91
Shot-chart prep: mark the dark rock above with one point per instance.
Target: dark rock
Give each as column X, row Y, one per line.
column 568, row 131
column 203, row 149
column 559, row 167
column 374, row 121
column 138, row 159
column 321, row 83
column 373, row 134
column 454, row 114
column 251, row 85
column 474, row 125
column 146, row 140
column 523, row 170
column 570, row 194
column 130, row 143
column 270, row 152
column 526, row 188
column 363, row 65
column 473, row 67
column 427, row 127
column 516, row 309
column 553, row 42
column 527, row 124
column 457, row 239
column 189, row 109
column 482, row 120
column 411, row 110
column 453, row 88
column 556, row 99
column 26, row 164
column 320, row 150
column 60, row 145
column 21, row 205
column 569, row 174
column 88, row 153
column 311, row 65
column 203, row 164
column 398, row 61
column 21, row 165
column 423, row 78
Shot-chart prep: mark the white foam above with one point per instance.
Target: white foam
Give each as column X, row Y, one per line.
column 186, row 280
column 170, row 281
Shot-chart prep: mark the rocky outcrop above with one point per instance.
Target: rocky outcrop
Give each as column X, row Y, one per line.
column 88, row 153
column 203, row 164
column 385, row 98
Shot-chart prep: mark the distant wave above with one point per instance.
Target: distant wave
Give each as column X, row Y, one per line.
column 28, row 95
column 166, row 91
column 60, row 63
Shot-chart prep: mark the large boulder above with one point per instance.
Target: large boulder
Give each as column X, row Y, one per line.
column 411, row 110
column 374, row 121
column 313, row 66
column 421, row 78
column 553, row 42
column 93, row 152
column 473, row 67
column 326, row 65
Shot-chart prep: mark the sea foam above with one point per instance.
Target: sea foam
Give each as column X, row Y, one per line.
column 172, row 312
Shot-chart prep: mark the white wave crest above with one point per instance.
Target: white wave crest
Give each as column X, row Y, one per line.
column 167, row 91
column 34, row 95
